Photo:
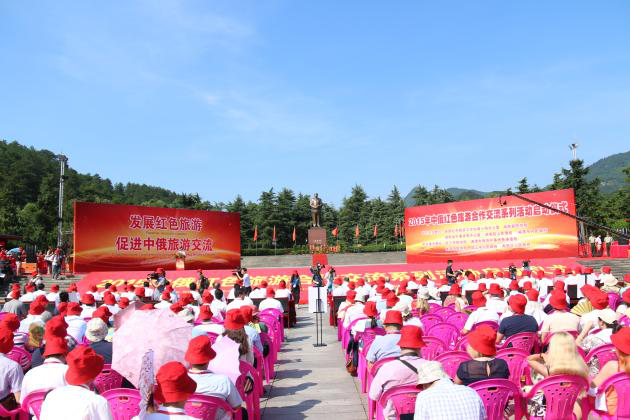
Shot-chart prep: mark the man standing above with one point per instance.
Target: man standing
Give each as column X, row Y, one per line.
column 450, row 275
column 591, row 241
column 608, row 242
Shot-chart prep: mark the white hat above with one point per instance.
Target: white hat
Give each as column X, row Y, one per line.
column 608, row 280
column 424, row 294
column 96, row 330
column 607, row 315
column 187, row 313
column 430, row 372
column 403, row 307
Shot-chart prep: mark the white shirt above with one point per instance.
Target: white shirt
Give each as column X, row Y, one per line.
column 51, row 374
column 237, row 303
column 76, row 327
column 258, row 293
column 52, row 297
column 218, row 306
column 167, row 413
column 352, row 313
column 38, row 293
column 201, row 329
column 406, row 299
column 74, row 297
column 87, row 311
column 270, row 303
column 72, row 402
column 339, row 291
column 165, row 304
column 27, row 297
column 496, row 305
column 10, row 376
column 26, row 322
column 480, row 315
column 282, row 293
column 216, row 385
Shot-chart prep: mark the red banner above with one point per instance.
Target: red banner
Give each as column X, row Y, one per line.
column 397, row 272
column 118, row 237
column 493, row 228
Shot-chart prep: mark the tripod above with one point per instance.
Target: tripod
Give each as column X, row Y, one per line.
column 319, row 320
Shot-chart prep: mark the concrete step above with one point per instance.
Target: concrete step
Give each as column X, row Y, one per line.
column 619, row 266
column 288, row 261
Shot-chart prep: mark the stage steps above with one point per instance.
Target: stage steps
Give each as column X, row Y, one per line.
column 619, row 266
column 63, row 282
column 290, row 261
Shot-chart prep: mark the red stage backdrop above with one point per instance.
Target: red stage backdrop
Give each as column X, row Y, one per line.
column 112, row 237
column 493, row 228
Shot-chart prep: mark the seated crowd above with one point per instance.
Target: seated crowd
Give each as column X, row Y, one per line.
column 453, row 341
column 59, row 342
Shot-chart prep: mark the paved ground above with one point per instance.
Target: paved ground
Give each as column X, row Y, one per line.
column 311, row 382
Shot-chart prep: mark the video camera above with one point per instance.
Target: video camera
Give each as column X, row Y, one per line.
column 153, row 276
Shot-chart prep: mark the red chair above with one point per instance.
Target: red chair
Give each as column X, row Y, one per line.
column 108, row 379
column 525, row 341
column 451, row 361
column 33, row 402
column 430, row 320
column 21, row 357
column 433, row 347
column 448, row 333
column 209, row 408
column 561, row 392
column 123, row 403
column 495, row 394
column 458, row 319
column 371, row 374
column 252, row 400
column 403, row 399
column 516, row 359
column 621, row 384
column 604, row 354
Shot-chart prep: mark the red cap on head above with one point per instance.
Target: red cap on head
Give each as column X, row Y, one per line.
column 532, row 294
column 234, row 320
column 207, row 297
column 54, row 288
column 490, row 275
column 514, row 285
column 621, row 340
column 558, row 300
column 517, row 304
column 205, row 313
column 72, row 288
column 411, row 337
column 123, row 302
column 351, row 296
column 166, row 296
column 500, row 274
column 37, row 308
column 200, row 351
column 6, row 339
column 177, row 307
column 455, row 290
column 495, row 289
column 588, row 270
column 369, row 309
column 83, row 365
column 270, row 292
column 483, row 339
column 424, row 281
column 88, row 299
column 55, row 345
column 361, row 282
column 109, row 299
column 392, row 300
column 606, row 270
column 147, row 307
column 248, row 313
column 12, row 322
column 482, row 287
column 599, row 299
column 93, row 288
column 393, row 317
column 140, row 292
column 540, row 274
column 74, row 309
column 62, row 308
column 478, row 299
column 103, row 313
column 174, row 384
column 352, row 286
column 559, row 285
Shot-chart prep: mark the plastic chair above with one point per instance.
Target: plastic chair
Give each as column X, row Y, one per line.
column 403, row 399
column 461, row 344
column 625, row 321
column 491, row 324
column 33, row 402
column 362, row 370
column 430, row 320
column 448, row 333
column 613, row 300
column 444, row 312
column 621, row 383
column 259, row 368
column 371, row 374
column 451, row 361
column 108, row 379
column 524, row 341
column 13, row 414
column 347, row 331
column 123, row 403
column 561, row 393
column 458, row 319
column 495, row 394
column 516, row 359
column 434, row 307
column 20, row 356
column 270, row 359
column 212, row 336
column 252, row 400
column 206, row 408
column 433, row 347
column 604, row 354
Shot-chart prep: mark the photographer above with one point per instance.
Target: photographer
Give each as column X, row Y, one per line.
column 203, row 283
column 158, row 281
column 512, row 269
column 241, row 274
column 317, row 275
column 450, row 274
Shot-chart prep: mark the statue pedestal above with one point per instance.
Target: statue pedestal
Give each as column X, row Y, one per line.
column 317, row 237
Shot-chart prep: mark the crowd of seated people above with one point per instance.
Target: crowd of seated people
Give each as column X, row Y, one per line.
column 59, row 341
column 541, row 325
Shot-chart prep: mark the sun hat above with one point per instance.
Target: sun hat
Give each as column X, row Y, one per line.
column 411, row 337
column 174, row 384
column 478, row 299
column 393, row 317
column 55, row 345
column 6, row 340
column 369, row 309
column 517, row 304
column 430, row 372
column 234, row 320
column 558, row 300
column 621, row 340
column 83, row 365
column 607, row 315
column 483, row 339
column 200, row 351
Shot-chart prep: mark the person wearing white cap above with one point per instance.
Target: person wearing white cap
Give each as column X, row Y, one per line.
column 607, row 324
column 441, row 399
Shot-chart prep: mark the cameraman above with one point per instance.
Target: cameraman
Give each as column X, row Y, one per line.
column 158, row 280
column 203, row 283
column 317, row 275
column 512, row 269
column 241, row 274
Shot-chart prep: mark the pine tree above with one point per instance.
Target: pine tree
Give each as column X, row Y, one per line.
column 588, row 199
column 523, row 186
column 286, row 218
column 351, row 213
column 421, row 196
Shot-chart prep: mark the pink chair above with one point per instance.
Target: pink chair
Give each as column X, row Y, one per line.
column 491, row 324
column 207, row 408
column 451, row 360
column 561, row 393
column 347, row 331
column 362, row 370
column 625, row 321
column 458, row 319
column 13, row 414
column 270, row 359
column 444, row 312
column 371, row 374
column 108, row 379
column 430, row 320
column 123, row 403
column 403, row 399
column 516, row 359
column 613, row 300
column 33, row 402
column 212, row 336
column 495, row 394
column 604, row 354
column 260, row 363
column 621, row 383
column 21, row 356
column 525, row 341
column 448, row 333
column 433, row 347
column 252, row 400
column 461, row 344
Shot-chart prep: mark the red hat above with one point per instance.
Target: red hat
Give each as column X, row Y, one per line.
column 478, row 299
column 527, row 285
column 140, row 292
column 471, row 277
column 187, row 299
column 351, row 296
column 588, row 270
column 403, row 290
column 74, row 309
column 159, row 270
column 578, row 269
column 200, row 351
column 568, row 271
column 205, row 313
column 62, row 308
column 131, row 288
column 500, row 274
column 166, row 296
column 123, row 302
column 411, row 337
column 270, row 292
column 495, row 289
column 490, row 275
column 30, row 288
column 482, row 287
column 626, row 296
column 483, row 339
column 83, row 365
column 72, row 288
column 392, row 300
column 264, row 284
column 282, row 284
column 109, row 299
column 540, row 274
column 177, row 307
column 168, row 288
column 55, row 345
column 606, row 270
column 93, row 288
column 621, row 340
column 558, row 300
column 6, row 340
column 599, row 299
column 207, row 297
column 103, row 313
column 514, row 285
column 381, row 289
column 338, row 281
column 147, row 307
column 12, row 322
column 557, row 272
column 361, row 281
column 234, row 320
column 559, row 285
column 248, row 313
column 88, row 299
column 37, row 308
column 455, row 290
column 532, row 294
column 517, row 304
column 174, row 384
column 369, row 309
column 393, row 317
column 424, row 281
column 54, row 288
column 352, row 286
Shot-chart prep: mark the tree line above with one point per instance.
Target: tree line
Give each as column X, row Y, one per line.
column 29, row 186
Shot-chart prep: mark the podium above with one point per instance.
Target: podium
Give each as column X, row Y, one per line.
column 318, row 305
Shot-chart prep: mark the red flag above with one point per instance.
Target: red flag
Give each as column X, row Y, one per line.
column 375, row 231
column 335, row 232
column 402, row 228
column 396, row 230
column 293, row 233
column 356, row 232
column 274, row 234
column 256, row 233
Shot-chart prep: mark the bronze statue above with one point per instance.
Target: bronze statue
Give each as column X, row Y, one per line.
column 316, row 210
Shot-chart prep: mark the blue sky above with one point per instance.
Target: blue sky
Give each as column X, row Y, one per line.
column 229, row 97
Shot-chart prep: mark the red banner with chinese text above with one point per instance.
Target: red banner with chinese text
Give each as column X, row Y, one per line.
column 493, row 228
column 113, row 237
